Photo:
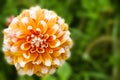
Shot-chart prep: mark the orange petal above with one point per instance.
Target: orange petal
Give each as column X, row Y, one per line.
column 26, row 55
column 29, row 69
column 46, row 36
column 25, row 13
column 64, row 27
column 51, row 22
column 25, row 46
column 66, row 55
column 32, row 23
column 40, row 15
column 64, row 37
column 59, row 33
column 20, row 60
column 54, row 43
column 53, row 29
column 38, row 60
column 33, row 57
column 68, row 43
column 58, row 52
column 18, row 53
column 51, row 38
column 40, row 50
column 46, row 59
column 20, row 34
column 43, row 26
column 49, row 50
column 37, row 68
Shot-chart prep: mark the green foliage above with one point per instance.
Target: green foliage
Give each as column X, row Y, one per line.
column 64, row 72
column 24, row 78
column 49, row 77
column 95, row 30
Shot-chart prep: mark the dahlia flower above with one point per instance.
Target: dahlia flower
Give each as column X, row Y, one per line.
column 37, row 42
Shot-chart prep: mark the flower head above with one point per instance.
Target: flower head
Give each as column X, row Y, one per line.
column 37, row 42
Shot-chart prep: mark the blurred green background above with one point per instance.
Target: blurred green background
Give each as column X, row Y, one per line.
column 95, row 30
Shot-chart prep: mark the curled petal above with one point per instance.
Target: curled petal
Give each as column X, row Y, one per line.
column 46, row 36
column 29, row 69
column 47, row 59
column 33, row 57
column 44, row 70
column 56, row 61
column 49, row 50
column 58, row 52
column 25, row 46
column 64, row 27
column 54, row 43
column 38, row 60
column 51, row 38
column 53, row 29
column 64, row 37
column 26, row 55
column 40, row 50
column 43, row 26
column 59, row 33
column 51, row 22
column 40, row 15
column 52, row 70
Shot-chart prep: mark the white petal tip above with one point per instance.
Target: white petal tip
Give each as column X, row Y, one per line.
column 22, row 63
column 56, row 61
column 13, row 49
column 29, row 27
column 24, row 20
column 9, row 59
column 52, row 71
column 44, row 70
column 15, row 20
column 48, row 63
column 30, row 72
column 57, row 44
column 26, row 56
column 43, row 23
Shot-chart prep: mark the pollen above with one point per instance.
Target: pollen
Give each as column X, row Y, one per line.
column 37, row 42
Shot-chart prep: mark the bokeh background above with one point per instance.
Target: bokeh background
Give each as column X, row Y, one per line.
column 95, row 30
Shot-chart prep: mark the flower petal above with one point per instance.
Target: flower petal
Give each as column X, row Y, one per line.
column 51, row 38
column 25, row 46
column 32, row 58
column 29, row 69
column 64, row 37
column 59, row 33
column 54, row 43
column 43, row 26
column 46, row 59
column 26, row 55
column 53, row 29
column 58, row 52
column 44, row 70
column 40, row 50
column 38, row 60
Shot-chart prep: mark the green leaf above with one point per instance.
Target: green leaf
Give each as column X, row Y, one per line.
column 64, row 71
column 49, row 77
column 2, row 76
column 24, row 78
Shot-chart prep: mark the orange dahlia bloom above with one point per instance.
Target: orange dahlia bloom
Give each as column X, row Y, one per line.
column 37, row 42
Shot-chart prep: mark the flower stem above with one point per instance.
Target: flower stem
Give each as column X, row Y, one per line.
column 116, row 51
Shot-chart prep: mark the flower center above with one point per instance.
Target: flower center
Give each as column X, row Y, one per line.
column 38, row 42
